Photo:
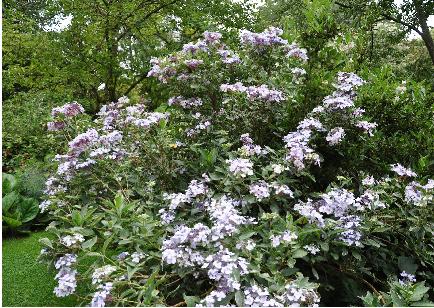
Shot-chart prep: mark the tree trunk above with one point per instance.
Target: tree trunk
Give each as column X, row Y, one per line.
column 426, row 34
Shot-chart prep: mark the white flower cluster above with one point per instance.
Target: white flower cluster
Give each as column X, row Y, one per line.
column 194, row 190
column 225, row 217
column 271, row 37
column 255, row 296
column 70, row 240
column 198, row 128
column 402, row 171
column 240, row 167
column 102, row 272
column 313, row 249
column 335, row 136
column 249, row 148
column 262, row 190
column 66, row 277
column 137, row 256
column 186, row 103
column 419, row 195
column 100, row 297
column 261, row 92
column 286, row 236
column 248, row 245
column 340, row 203
column 296, row 296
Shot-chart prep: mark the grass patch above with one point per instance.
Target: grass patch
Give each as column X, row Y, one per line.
column 26, row 282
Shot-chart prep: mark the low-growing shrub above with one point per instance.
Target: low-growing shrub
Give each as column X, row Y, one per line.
column 220, row 198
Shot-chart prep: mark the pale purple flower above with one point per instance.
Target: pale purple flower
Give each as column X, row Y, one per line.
column 335, row 136
column 260, row 190
column 402, row 171
column 406, row 278
column 240, row 167
column 368, row 127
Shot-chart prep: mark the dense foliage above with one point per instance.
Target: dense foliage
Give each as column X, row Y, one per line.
column 252, row 166
column 222, row 197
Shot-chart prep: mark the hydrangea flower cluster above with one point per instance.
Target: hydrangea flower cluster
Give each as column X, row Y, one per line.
column 102, row 295
column 255, row 296
column 60, row 115
column 335, row 136
column 286, row 236
column 402, row 171
column 66, row 277
column 340, row 203
column 70, row 240
column 240, row 167
column 249, row 148
column 419, row 195
column 185, row 103
column 100, row 273
column 296, row 296
column 198, row 128
column 271, row 37
column 406, row 278
column 183, row 63
column 261, row 92
column 340, row 103
column 262, row 190
column 86, row 149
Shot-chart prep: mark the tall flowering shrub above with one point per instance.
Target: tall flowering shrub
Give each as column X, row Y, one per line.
column 212, row 200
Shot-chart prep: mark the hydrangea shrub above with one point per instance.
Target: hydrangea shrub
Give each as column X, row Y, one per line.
column 212, row 200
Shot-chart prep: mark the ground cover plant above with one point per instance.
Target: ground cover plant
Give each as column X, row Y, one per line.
column 224, row 196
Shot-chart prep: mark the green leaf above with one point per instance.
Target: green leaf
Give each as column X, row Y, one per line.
column 9, row 200
column 246, row 235
column 11, row 222
column 89, row 243
column 8, row 183
column 397, row 300
column 46, row 242
column 191, row 301
column 299, row 253
column 29, row 209
column 239, row 298
column 324, row 246
column 131, row 271
column 419, row 291
column 76, row 218
column 407, row 264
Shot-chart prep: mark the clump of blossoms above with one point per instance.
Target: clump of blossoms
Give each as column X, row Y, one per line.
column 97, row 146
column 66, row 276
column 62, row 114
column 340, row 105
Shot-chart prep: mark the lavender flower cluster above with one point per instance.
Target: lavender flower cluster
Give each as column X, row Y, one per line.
column 340, row 204
column 102, row 295
column 262, row 190
column 249, row 148
column 406, row 278
column 60, row 114
column 261, row 92
column 271, row 37
column 66, row 277
column 183, row 65
column 340, row 103
column 186, row 103
column 418, row 194
column 87, row 148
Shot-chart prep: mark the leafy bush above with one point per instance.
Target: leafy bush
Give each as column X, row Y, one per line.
column 18, row 212
column 200, row 201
